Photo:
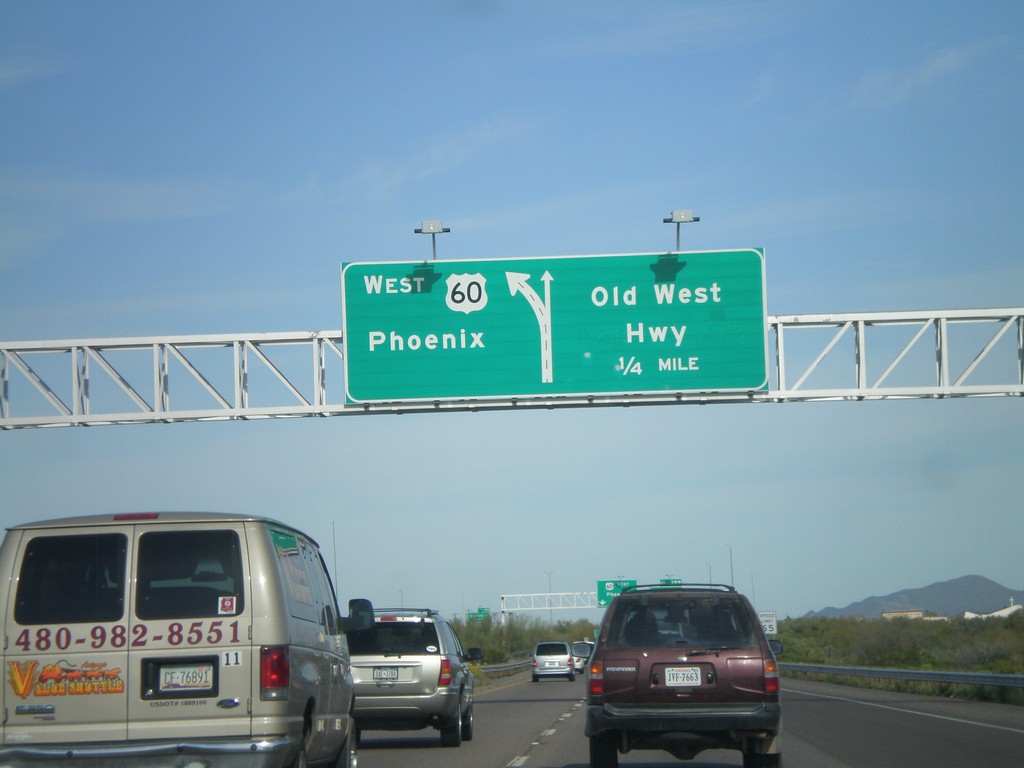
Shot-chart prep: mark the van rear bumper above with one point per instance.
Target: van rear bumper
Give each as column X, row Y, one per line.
column 238, row 753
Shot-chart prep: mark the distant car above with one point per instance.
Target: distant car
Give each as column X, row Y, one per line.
column 552, row 659
column 683, row 669
column 581, row 651
column 411, row 672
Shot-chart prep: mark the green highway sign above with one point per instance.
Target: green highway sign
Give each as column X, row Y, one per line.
column 609, row 588
column 569, row 325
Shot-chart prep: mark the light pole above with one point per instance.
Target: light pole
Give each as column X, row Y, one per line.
column 551, row 611
column 732, row 576
column 677, row 218
column 432, row 228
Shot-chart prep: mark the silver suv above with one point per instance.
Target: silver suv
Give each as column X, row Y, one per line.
column 552, row 658
column 411, row 672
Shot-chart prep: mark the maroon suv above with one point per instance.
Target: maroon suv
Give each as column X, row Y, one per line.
column 683, row 669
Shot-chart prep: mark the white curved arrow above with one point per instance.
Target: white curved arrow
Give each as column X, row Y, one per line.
column 517, row 283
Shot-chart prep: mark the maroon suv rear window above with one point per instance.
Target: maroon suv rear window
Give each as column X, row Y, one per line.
column 681, row 620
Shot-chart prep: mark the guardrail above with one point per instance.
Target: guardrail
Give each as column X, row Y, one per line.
column 916, row 675
column 505, row 669
column 910, row 675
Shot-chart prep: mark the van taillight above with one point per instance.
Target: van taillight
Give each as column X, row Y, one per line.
column 771, row 676
column 274, row 674
column 597, row 679
column 445, row 678
column 129, row 516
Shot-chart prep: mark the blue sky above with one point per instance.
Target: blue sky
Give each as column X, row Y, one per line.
column 189, row 167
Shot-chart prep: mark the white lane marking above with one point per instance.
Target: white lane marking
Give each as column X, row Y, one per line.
column 518, row 762
column 908, row 711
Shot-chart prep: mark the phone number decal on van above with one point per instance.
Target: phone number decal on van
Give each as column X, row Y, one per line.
column 98, row 637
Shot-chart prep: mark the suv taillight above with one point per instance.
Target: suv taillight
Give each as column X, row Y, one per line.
column 771, row 676
column 596, row 681
column 445, row 678
column 274, row 673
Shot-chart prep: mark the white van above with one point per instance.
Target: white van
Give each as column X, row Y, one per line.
column 190, row 640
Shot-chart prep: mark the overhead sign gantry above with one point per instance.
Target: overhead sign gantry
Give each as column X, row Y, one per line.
column 572, row 325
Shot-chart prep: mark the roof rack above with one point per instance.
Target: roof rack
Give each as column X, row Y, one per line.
column 407, row 611
column 679, row 587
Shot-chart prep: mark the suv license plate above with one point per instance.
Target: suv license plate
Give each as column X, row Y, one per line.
column 186, row 677
column 385, row 673
column 682, row 676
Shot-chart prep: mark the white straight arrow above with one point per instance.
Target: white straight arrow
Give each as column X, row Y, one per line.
column 517, row 283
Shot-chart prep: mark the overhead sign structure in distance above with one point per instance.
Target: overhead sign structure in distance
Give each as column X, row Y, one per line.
column 555, row 326
column 609, row 588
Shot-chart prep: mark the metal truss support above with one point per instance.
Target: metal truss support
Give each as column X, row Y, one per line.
column 865, row 356
column 547, row 601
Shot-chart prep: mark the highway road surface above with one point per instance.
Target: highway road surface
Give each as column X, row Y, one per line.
column 519, row 724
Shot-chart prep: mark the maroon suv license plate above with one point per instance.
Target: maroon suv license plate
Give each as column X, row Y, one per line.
column 682, row 676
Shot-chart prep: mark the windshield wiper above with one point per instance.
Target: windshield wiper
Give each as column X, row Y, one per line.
column 716, row 649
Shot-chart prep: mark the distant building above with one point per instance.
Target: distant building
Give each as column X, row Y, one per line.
column 913, row 613
column 1000, row 614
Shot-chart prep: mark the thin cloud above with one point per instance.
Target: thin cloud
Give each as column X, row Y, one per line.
column 695, row 28
column 115, row 200
column 894, row 86
column 381, row 179
column 39, row 210
column 13, row 74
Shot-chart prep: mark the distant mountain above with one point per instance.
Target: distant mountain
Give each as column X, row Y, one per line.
column 945, row 598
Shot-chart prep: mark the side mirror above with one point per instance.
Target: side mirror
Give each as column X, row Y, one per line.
column 360, row 615
column 474, row 654
column 775, row 645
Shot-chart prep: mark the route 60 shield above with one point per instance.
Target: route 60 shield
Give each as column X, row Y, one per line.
column 467, row 292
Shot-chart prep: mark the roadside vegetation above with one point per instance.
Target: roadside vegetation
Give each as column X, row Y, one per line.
column 961, row 645
column 514, row 640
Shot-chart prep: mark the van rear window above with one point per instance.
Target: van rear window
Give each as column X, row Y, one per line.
column 189, row 574
column 72, row 579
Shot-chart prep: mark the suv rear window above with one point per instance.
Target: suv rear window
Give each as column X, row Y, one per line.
column 189, row 574
column 72, row 579
column 395, row 638
column 681, row 620
column 552, row 649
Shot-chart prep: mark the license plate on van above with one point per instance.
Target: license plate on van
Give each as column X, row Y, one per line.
column 385, row 673
column 682, row 676
column 186, row 677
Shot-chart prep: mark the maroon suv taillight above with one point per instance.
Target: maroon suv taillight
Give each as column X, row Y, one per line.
column 274, row 673
column 771, row 676
column 445, row 677
column 596, row 679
